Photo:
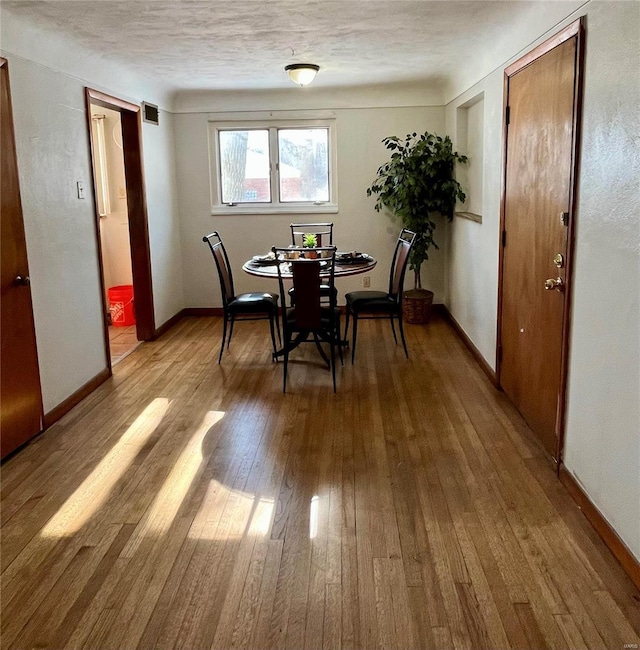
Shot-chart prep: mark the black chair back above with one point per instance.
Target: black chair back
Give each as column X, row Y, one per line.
column 309, row 315
column 221, row 258
column 307, row 275
column 306, row 281
column 399, row 263
column 323, row 232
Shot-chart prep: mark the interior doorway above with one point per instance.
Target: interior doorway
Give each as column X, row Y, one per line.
column 542, row 118
column 113, row 225
column 121, row 222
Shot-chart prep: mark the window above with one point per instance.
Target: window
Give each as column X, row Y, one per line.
column 273, row 167
column 303, row 165
column 100, row 164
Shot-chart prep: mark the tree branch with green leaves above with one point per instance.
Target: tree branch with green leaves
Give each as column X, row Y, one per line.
column 416, row 183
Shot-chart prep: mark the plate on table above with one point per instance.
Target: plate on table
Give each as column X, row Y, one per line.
column 353, row 258
column 264, row 260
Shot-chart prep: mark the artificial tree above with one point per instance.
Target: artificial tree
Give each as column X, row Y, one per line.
column 416, row 183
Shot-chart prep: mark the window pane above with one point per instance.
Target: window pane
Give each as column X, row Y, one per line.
column 304, row 164
column 244, row 166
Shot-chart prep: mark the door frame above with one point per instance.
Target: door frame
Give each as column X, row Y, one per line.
column 574, row 30
column 131, row 119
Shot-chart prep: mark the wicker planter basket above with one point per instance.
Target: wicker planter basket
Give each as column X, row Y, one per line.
column 416, row 306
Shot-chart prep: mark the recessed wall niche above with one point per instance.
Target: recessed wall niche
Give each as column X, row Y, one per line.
column 470, row 142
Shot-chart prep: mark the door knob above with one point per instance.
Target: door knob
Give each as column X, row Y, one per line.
column 22, row 280
column 551, row 283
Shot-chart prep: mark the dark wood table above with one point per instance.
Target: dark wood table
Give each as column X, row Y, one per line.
column 342, row 269
column 263, row 270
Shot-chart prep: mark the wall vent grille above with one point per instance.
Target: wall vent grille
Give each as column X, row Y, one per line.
column 150, row 113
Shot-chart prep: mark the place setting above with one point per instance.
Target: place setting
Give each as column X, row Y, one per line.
column 268, row 259
column 352, row 257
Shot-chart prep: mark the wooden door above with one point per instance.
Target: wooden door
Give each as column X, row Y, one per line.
column 20, row 396
column 538, row 201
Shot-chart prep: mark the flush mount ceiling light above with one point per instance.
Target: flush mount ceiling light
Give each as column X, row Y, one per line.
column 302, row 73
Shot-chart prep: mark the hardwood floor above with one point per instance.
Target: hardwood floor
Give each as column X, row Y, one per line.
column 186, row 504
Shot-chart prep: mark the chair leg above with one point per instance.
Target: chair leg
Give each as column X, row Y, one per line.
column 337, row 332
column 233, row 320
column 333, row 360
column 286, row 364
column 404, row 343
column 346, row 327
column 278, row 325
column 320, row 350
column 355, row 336
column 393, row 329
column 224, row 335
column 273, row 334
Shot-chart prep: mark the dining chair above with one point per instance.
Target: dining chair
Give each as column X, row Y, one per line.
column 378, row 304
column 308, row 315
column 242, row 306
column 323, row 231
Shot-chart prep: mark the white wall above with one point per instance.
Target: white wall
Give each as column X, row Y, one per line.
column 165, row 217
column 471, row 251
column 534, row 19
column 602, row 447
column 53, row 153
column 357, row 225
column 392, row 95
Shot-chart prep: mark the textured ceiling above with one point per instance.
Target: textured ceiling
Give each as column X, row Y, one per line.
column 245, row 44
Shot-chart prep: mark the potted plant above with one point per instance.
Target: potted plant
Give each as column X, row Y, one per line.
column 310, row 241
column 417, row 183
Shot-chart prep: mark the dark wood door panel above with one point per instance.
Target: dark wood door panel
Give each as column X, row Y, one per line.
column 537, row 192
column 21, row 399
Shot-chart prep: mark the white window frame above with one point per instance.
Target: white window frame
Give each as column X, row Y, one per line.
column 275, row 206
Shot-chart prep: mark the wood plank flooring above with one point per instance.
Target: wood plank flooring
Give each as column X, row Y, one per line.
column 186, row 504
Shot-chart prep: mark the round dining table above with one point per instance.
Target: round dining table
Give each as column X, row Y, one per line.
column 263, row 268
column 344, row 267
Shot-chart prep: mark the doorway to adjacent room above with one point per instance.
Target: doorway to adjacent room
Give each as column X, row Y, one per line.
column 122, row 228
column 113, row 224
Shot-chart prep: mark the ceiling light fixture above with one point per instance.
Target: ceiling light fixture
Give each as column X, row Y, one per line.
column 302, row 73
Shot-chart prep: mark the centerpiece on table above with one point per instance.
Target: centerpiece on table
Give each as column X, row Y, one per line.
column 310, row 241
column 415, row 184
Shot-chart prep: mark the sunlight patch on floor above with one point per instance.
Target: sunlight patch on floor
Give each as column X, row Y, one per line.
column 94, row 491
column 227, row 513
column 261, row 520
column 162, row 512
column 313, row 516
